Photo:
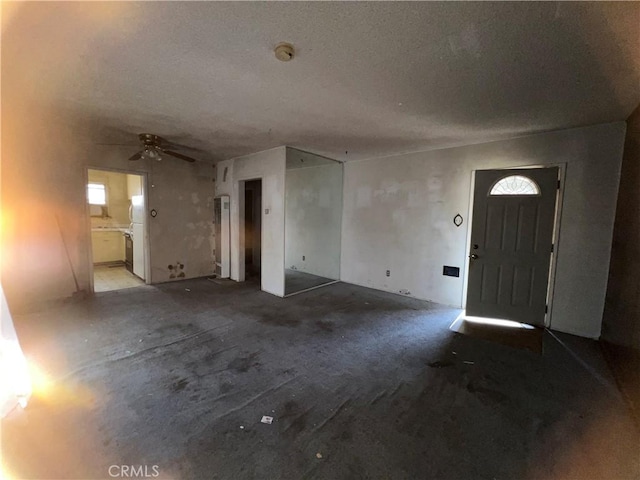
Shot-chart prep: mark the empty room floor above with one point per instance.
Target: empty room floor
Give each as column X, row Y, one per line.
column 113, row 277
column 360, row 384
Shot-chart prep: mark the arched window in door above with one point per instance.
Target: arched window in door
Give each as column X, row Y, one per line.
column 515, row 185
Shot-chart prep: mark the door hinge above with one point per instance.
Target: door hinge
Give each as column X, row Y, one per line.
column 546, row 309
column 552, row 245
column 558, row 184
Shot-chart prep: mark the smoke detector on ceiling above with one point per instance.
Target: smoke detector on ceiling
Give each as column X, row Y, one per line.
column 284, row 52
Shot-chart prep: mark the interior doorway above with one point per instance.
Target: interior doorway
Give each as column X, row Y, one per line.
column 252, row 229
column 511, row 247
column 119, row 247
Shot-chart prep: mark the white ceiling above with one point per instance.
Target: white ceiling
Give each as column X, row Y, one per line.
column 370, row 79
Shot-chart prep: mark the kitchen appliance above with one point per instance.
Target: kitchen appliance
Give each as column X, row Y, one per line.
column 136, row 215
column 128, row 252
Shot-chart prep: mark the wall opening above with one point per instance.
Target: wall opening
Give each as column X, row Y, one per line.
column 252, row 229
column 117, row 213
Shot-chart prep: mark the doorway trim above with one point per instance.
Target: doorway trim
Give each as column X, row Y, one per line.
column 145, row 195
column 562, row 172
column 241, row 227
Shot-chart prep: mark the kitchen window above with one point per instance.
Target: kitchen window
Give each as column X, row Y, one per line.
column 97, row 194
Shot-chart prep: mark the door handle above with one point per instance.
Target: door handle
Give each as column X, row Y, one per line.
column 473, row 256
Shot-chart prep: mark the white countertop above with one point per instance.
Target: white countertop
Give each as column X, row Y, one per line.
column 111, row 229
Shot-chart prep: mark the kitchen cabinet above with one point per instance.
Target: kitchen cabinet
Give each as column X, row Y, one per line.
column 107, row 247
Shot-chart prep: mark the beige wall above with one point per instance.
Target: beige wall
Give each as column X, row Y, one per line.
column 46, row 229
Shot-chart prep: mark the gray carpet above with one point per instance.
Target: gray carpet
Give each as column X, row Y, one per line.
column 361, row 384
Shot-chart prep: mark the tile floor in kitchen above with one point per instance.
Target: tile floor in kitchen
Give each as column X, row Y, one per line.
column 113, row 277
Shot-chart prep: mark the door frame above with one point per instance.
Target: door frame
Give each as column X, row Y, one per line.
column 562, row 168
column 145, row 195
column 241, row 226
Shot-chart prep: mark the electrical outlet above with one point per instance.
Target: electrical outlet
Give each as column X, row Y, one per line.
column 404, row 292
column 388, row 273
column 303, row 257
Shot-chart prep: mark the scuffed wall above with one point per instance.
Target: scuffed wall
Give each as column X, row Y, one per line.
column 621, row 323
column 46, row 228
column 45, row 154
column 270, row 167
column 181, row 193
column 398, row 216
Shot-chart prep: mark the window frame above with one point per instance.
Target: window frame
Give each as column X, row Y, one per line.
column 538, row 191
column 106, row 194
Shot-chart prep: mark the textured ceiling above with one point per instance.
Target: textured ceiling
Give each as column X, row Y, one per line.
column 370, row 79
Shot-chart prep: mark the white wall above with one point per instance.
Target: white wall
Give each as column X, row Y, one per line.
column 313, row 216
column 398, row 215
column 270, row 167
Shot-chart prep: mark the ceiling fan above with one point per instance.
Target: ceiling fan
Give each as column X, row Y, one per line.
column 155, row 147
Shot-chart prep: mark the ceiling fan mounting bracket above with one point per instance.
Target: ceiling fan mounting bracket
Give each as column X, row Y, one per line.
column 149, row 139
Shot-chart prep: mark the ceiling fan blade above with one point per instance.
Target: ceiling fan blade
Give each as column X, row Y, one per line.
column 177, row 146
column 136, row 156
column 179, row 155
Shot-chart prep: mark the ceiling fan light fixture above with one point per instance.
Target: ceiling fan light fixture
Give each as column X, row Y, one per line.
column 153, row 153
column 155, row 148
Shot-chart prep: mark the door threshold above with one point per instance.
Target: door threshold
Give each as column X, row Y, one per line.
column 505, row 332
